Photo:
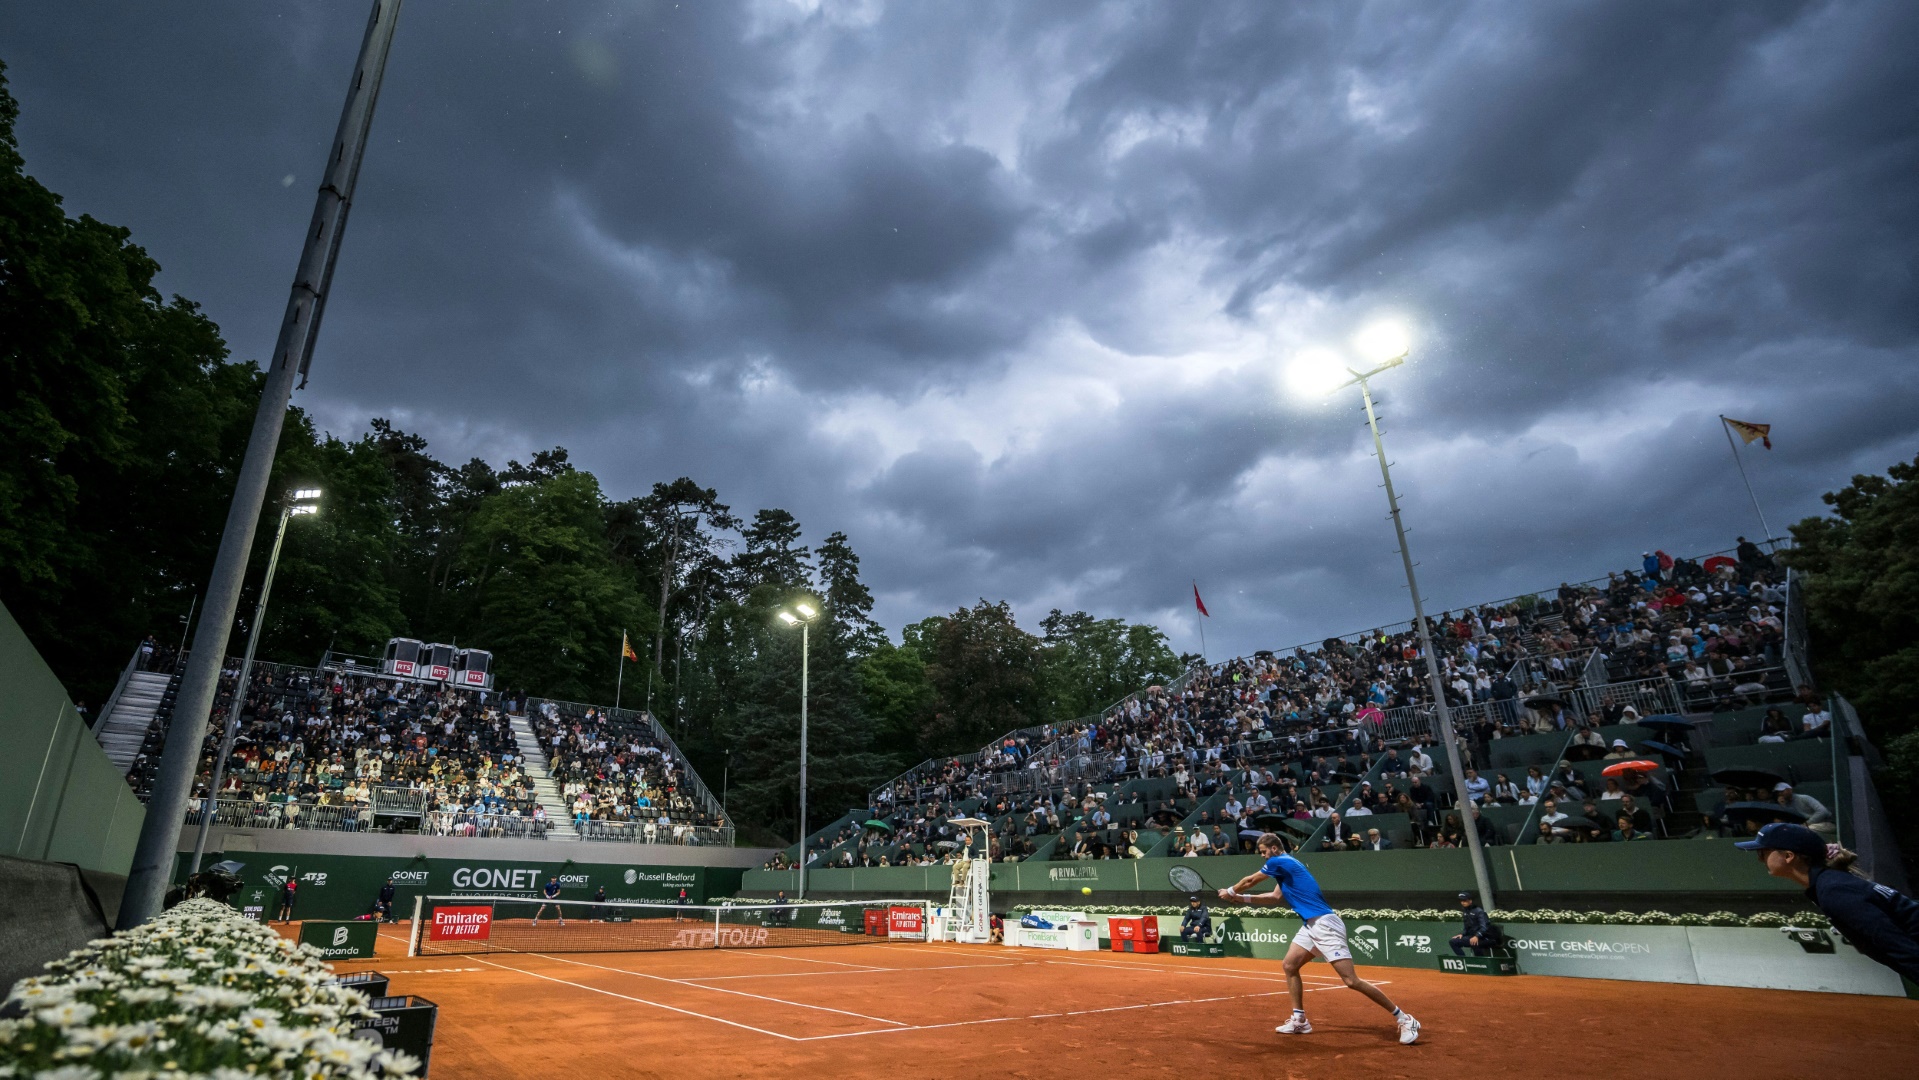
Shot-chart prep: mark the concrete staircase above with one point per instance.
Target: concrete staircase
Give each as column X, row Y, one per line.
column 559, row 815
column 124, row 728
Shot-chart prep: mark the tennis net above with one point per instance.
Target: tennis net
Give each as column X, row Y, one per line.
column 480, row 924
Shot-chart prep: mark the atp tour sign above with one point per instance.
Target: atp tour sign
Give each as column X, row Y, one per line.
column 474, row 923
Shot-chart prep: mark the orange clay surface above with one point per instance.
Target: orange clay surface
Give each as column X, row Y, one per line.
column 899, row 1010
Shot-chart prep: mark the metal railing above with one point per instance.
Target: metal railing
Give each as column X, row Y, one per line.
column 636, row 832
column 469, row 823
column 1797, row 657
column 393, row 801
column 247, row 814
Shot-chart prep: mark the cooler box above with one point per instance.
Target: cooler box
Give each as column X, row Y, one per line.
column 401, row 1023
column 1135, row 935
column 876, row 922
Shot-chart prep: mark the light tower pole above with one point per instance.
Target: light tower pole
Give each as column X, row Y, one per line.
column 153, row 857
column 804, row 620
column 299, row 504
column 1388, row 346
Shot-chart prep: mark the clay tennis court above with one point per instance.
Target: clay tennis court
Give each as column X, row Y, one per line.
column 897, row 1010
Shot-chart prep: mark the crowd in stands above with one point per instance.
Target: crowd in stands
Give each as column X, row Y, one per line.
column 1260, row 742
column 614, row 776
column 312, row 745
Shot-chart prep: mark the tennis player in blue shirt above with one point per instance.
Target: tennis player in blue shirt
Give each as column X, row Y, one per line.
column 1322, row 932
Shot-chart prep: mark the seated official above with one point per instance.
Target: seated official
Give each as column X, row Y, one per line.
column 1196, row 924
column 1478, row 934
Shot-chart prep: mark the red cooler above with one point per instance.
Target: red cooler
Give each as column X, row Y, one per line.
column 1135, row 935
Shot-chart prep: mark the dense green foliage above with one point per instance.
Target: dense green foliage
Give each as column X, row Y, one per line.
column 1862, row 600
column 122, row 422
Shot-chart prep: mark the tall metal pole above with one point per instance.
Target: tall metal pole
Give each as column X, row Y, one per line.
column 239, row 696
column 186, row 624
column 1443, row 716
column 166, row 810
column 805, row 630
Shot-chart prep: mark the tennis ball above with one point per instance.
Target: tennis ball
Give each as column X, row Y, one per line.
column 1086, row 890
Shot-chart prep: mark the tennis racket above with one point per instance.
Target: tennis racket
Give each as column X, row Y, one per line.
column 1188, row 880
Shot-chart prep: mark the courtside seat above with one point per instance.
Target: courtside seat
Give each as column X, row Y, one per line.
column 1798, row 761
column 1522, row 750
column 1741, row 727
column 1507, row 819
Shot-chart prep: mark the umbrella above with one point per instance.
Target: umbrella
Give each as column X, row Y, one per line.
column 1657, row 747
column 1748, row 778
column 876, row 823
column 1546, row 703
column 1713, row 564
column 1619, row 768
column 1763, row 812
column 1572, row 821
column 946, row 845
column 1667, row 720
column 1272, row 821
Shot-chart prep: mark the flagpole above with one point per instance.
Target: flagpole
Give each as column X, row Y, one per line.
column 1202, row 622
column 1739, row 461
column 619, row 683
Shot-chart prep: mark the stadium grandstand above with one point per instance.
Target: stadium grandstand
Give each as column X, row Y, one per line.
column 1692, row 669
column 346, row 747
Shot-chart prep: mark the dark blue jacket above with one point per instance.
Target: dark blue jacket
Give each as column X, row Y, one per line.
column 1478, row 925
column 1879, row 921
column 1196, row 918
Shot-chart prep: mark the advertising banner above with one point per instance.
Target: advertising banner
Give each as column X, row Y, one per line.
column 464, row 923
column 341, row 940
column 1636, row 953
column 906, row 922
column 345, row 886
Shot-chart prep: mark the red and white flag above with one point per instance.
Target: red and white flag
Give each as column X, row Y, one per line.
column 1198, row 603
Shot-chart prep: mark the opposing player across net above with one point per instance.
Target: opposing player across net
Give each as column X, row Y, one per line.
column 480, row 924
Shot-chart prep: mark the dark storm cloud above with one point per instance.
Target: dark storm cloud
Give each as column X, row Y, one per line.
column 1000, row 289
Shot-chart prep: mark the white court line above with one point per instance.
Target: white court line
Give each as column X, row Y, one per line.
column 864, row 971
column 763, row 955
column 643, row 1001
column 1158, row 970
column 1047, row 1016
column 719, row 989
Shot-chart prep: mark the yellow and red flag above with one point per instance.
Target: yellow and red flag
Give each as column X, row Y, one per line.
column 1750, row 432
column 626, row 649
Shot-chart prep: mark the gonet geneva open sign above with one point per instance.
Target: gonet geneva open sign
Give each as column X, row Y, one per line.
column 461, row 923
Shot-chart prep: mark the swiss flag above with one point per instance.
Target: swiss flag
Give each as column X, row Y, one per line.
column 1198, row 603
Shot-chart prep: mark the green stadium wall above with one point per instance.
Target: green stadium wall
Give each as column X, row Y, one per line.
column 1677, row 875
column 333, row 886
column 61, row 800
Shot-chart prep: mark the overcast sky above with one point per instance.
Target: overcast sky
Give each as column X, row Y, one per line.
column 1004, row 291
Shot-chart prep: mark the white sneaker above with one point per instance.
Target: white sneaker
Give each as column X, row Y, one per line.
column 1408, row 1029
column 1296, row 1026
column 563, row 923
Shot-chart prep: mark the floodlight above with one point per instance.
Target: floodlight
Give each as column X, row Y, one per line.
column 1316, row 373
column 307, row 494
column 787, row 618
column 1383, row 342
column 806, row 610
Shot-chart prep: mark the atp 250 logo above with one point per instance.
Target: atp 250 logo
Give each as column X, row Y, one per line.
column 1419, row 943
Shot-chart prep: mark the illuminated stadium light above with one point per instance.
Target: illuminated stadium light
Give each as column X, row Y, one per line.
column 1383, row 342
column 1315, row 373
column 788, row 618
column 804, row 620
column 805, row 610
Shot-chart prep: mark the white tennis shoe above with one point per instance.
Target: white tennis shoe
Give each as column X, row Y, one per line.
column 1295, row 1026
column 1408, row 1029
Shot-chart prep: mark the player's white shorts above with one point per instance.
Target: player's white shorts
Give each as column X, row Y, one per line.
column 1325, row 935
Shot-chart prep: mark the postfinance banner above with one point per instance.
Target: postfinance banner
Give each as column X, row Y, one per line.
column 346, row 886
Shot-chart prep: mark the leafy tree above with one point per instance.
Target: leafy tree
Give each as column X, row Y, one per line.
column 1862, row 601
column 986, row 673
column 773, row 555
column 848, row 601
column 1862, row 596
column 1092, row 663
column 549, row 600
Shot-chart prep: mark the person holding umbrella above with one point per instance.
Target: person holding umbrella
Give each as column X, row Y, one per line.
column 1881, row 922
